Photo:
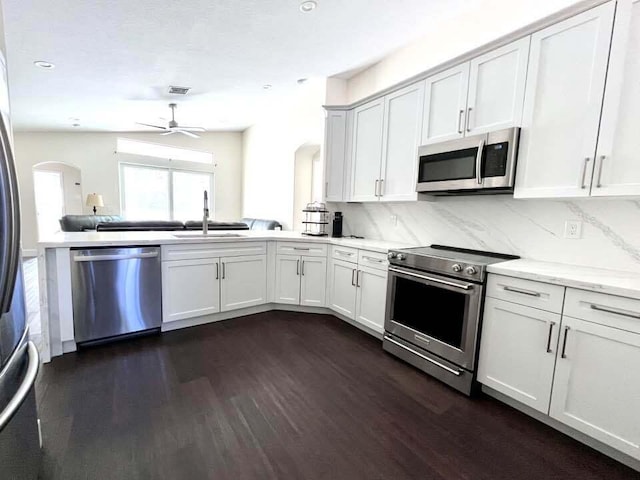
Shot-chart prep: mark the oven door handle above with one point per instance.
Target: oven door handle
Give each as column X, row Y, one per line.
column 463, row 286
column 424, row 357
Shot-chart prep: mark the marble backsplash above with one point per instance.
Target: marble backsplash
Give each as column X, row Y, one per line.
column 529, row 228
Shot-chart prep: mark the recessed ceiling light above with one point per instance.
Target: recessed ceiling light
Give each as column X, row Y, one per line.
column 75, row 124
column 308, row 6
column 267, row 86
column 301, row 81
column 43, row 64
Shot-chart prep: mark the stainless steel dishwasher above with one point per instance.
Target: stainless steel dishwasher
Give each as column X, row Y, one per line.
column 116, row 291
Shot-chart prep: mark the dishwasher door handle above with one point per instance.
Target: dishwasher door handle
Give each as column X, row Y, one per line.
column 99, row 258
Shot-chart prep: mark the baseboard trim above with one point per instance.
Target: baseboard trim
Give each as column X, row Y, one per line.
column 561, row 427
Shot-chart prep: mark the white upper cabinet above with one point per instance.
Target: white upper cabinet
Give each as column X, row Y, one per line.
column 496, row 88
column 596, row 389
column 402, row 125
column 368, row 125
column 563, row 99
column 335, row 151
column 445, row 103
column 617, row 163
column 243, row 282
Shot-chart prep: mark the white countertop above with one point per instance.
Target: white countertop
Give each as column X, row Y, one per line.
column 613, row 282
column 109, row 239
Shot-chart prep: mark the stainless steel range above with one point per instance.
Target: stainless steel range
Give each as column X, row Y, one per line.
column 435, row 297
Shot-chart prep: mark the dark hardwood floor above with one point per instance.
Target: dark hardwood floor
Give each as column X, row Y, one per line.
column 287, row 396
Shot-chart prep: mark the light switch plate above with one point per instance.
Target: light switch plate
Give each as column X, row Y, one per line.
column 394, row 220
column 573, row 229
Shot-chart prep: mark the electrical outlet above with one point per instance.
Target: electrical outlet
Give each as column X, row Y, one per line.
column 573, row 229
column 394, row 220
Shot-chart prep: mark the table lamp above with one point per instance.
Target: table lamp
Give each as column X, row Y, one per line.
column 94, row 200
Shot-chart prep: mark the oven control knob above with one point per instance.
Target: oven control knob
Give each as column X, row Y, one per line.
column 456, row 267
column 471, row 270
column 391, row 255
column 401, row 256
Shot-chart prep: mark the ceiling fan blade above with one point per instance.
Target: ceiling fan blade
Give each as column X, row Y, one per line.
column 188, row 134
column 149, row 125
column 192, row 129
column 169, row 132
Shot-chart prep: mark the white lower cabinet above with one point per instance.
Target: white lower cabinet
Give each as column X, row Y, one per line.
column 243, row 282
column 518, row 351
column 358, row 292
column 582, row 372
column 342, row 288
column 190, row 288
column 371, row 297
column 301, row 280
column 596, row 388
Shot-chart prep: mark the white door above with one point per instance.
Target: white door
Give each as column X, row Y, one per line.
column 190, row 288
column 313, row 281
column 402, row 126
column 496, row 88
column 341, row 285
column 445, row 103
column 244, row 282
column 596, row 389
column 371, row 298
column 617, row 160
column 335, row 151
column 367, row 151
column 563, row 98
column 518, row 352
column 288, row 279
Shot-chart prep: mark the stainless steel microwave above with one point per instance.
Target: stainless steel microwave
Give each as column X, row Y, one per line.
column 477, row 164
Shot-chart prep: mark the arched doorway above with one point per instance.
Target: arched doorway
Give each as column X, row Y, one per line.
column 307, row 186
column 58, row 191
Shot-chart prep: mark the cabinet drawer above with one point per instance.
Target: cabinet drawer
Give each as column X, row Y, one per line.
column 301, row 248
column 348, row 254
column 608, row 310
column 526, row 292
column 377, row 260
column 212, row 250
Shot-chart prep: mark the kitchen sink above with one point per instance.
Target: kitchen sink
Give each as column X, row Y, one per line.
column 209, row 235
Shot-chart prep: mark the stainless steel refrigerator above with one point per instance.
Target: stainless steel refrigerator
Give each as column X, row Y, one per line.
column 19, row 362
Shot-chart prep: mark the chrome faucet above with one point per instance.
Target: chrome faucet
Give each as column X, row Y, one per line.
column 205, row 214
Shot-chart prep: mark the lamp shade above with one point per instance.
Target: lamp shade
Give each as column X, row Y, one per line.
column 94, row 200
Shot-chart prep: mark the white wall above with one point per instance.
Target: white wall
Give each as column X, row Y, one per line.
column 479, row 23
column 269, row 149
column 94, row 154
column 528, row 228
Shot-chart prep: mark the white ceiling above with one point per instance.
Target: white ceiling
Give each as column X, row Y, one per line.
column 115, row 58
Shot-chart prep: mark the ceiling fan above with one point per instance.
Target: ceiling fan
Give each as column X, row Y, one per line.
column 173, row 126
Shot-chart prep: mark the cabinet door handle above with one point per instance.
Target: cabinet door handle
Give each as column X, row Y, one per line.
column 376, row 188
column 298, row 267
column 599, row 181
column 358, row 278
column 583, row 179
column 615, row 312
column 302, row 269
column 224, row 271
column 217, row 271
column 353, row 273
column 381, row 188
column 460, row 121
column 371, row 259
column 564, row 342
column 523, row 292
column 326, row 189
column 469, row 119
column 551, row 325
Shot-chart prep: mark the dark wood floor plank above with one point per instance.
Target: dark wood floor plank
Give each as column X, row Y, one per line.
column 283, row 395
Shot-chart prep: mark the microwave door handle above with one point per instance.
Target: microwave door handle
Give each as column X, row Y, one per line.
column 479, row 162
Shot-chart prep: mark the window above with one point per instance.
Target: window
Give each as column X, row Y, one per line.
column 159, row 193
column 148, row 149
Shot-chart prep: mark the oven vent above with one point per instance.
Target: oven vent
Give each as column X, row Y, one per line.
column 178, row 90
